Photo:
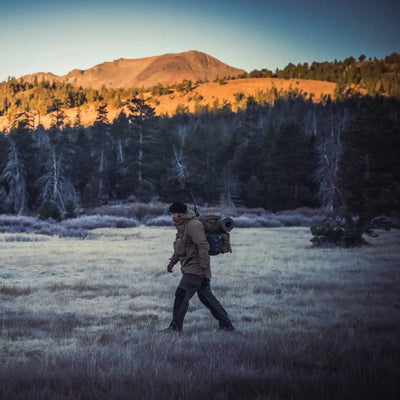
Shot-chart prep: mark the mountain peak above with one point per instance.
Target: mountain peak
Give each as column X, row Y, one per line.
column 165, row 69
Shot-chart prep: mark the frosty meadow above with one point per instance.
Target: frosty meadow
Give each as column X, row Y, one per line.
column 80, row 318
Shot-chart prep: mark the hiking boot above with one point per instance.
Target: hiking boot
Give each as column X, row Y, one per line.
column 172, row 328
column 226, row 328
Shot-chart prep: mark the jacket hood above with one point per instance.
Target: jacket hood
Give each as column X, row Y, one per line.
column 189, row 214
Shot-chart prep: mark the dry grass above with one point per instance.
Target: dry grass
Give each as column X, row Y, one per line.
column 80, row 319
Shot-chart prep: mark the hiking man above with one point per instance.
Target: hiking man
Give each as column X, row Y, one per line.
column 191, row 249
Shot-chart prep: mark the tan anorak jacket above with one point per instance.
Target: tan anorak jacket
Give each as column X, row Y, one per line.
column 191, row 247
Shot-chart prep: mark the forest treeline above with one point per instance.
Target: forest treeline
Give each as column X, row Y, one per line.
column 374, row 77
column 293, row 153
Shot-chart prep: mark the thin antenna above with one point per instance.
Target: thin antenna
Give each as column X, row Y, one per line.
column 196, row 210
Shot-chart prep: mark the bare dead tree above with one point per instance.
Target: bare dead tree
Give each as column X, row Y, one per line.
column 178, row 172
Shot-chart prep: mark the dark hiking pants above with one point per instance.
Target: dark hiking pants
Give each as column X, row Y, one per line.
column 188, row 286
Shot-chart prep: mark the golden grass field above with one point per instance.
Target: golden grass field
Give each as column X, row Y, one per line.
column 80, row 319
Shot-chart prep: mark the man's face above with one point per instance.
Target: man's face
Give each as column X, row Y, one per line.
column 176, row 216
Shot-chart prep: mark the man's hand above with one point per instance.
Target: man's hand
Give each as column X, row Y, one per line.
column 170, row 266
column 203, row 273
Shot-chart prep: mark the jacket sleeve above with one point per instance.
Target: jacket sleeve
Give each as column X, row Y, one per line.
column 196, row 232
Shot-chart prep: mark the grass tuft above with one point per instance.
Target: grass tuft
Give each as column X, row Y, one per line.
column 14, row 291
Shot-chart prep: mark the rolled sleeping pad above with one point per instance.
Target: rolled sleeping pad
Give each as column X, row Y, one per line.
column 226, row 224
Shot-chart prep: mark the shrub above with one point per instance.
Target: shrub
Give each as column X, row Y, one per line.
column 32, row 225
column 21, row 224
column 340, row 231
column 162, row 220
column 70, row 210
column 328, row 231
column 24, row 238
column 139, row 211
column 257, row 221
column 100, row 221
column 49, row 210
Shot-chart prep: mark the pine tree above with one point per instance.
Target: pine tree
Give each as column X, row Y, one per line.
column 248, row 167
column 21, row 138
column 102, row 148
column 287, row 170
column 82, row 165
column 14, row 175
column 56, row 188
column 54, row 182
column 120, row 177
column 141, row 143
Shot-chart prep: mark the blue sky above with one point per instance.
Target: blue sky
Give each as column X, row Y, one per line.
column 58, row 36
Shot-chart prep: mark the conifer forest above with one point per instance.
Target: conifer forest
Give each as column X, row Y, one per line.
column 281, row 152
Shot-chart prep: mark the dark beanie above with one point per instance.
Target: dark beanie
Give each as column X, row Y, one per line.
column 177, row 207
